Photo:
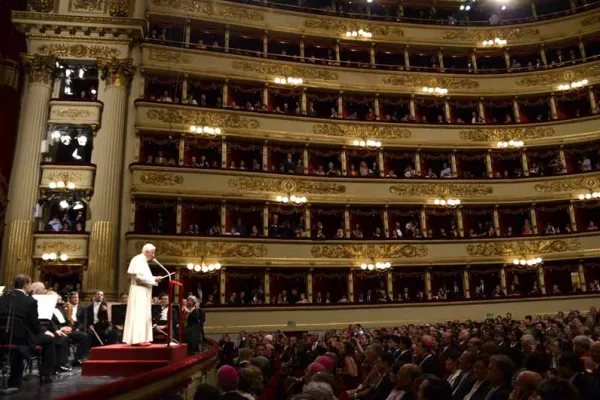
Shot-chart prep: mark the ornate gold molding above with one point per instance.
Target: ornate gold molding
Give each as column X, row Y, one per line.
column 205, row 118
column 65, row 176
column 116, row 72
column 361, row 131
column 369, row 251
column 161, row 179
column 195, row 248
column 58, row 247
column 496, row 134
column 78, row 50
column 167, row 56
column 212, row 10
column 285, row 186
column 88, row 5
column 441, row 189
column 522, row 248
column 479, row 35
column 591, row 20
column 40, row 69
column 41, row 6
column 68, row 112
column 118, row 8
column 568, row 185
column 560, row 76
column 341, row 27
column 430, row 81
column 285, row 70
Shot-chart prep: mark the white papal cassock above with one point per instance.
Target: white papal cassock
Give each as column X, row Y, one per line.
column 138, row 320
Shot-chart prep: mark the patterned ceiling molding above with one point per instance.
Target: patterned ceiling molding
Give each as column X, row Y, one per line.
column 496, row 134
column 285, row 186
column 441, row 189
column 58, row 247
column 196, row 248
column 362, row 131
column 370, row 251
column 479, row 35
column 204, row 118
column 430, row 81
column 561, row 76
column 69, row 112
column 285, row 70
column 78, row 51
column 568, row 185
column 522, row 248
column 167, row 56
column 161, row 179
column 211, row 10
column 341, row 27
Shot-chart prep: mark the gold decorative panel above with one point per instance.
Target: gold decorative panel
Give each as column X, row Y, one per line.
column 569, row 185
column 161, row 179
column 201, row 249
column 341, row 26
column 281, row 69
column 75, row 112
column 561, row 76
column 201, row 117
column 591, row 20
column 167, row 56
column 523, row 248
column 348, row 130
column 285, row 186
column 479, row 35
column 64, row 50
column 496, row 134
column 75, row 246
column 370, row 251
column 89, row 6
column 417, row 80
column 211, row 10
column 441, row 189
column 81, row 176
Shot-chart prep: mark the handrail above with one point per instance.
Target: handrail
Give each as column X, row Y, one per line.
column 172, row 284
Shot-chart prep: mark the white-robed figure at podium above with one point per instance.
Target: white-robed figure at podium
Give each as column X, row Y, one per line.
column 138, row 319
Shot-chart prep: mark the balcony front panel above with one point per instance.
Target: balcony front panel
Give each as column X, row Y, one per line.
column 169, row 117
column 81, row 175
column 194, row 182
column 307, row 318
column 75, row 246
column 178, row 250
column 334, row 27
column 318, row 76
column 75, row 113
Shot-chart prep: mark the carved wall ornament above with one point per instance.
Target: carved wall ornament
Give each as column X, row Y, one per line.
column 430, row 81
column 201, row 249
column 441, row 189
column 118, row 8
column 167, row 56
column 279, row 185
column 161, row 179
column 522, row 248
column 496, row 134
column 212, row 10
column 42, row 6
column 40, row 68
column 370, row 251
column 569, row 185
column 88, row 5
column 68, row 112
column 58, row 247
column 285, row 70
column 362, row 131
column 116, row 72
column 479, row 35
column 591, row 20
column 78, row 50
column 560, row 76
column 203, row 118
column 341, row 27
column 66, row 176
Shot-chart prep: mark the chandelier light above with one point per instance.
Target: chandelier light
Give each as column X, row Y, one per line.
column 289, row 81
column 376, row 266
column 293, row 199
column 513, row 144
column 447, row 202
column 589, row 196
column 531, row 262
column 204, row 268
column 573, row 85
column 205, row 130
column 374, row 144
column 360, row 33
column 435, row 91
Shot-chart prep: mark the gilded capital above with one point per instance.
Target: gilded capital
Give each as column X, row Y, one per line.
column 116, row 72
column 39, row 68
column 43, row 6
column 118, row 8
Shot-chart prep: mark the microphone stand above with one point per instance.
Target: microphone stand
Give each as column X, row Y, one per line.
column 163, row 267
column 170, row 308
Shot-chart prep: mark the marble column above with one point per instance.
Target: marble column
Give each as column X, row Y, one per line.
column 25, row 176
column 102, row 270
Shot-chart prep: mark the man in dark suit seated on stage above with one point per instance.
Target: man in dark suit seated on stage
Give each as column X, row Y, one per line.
column 18, row 305
column 74, row 318
column 97, row 317
column 160, row 319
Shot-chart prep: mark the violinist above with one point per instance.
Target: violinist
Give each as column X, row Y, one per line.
column 73, row 317
column 159, row 320
column 191, row 325
column 96, row 320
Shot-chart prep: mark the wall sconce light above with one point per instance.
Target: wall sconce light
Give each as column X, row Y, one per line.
column 53, row 257
column 289, row 81
column 437, row 91
column 204, row 268
column 372, row 144
column 61, row 185
column 573, row 85
column 293, row 199
column 497, row 42
column 205, row 130
column 377, row 266
column 529, row 262
column 447, row 202
column 360, row 33
column 589, row 196
column 514, row 144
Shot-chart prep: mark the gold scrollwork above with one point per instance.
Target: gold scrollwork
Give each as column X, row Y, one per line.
column 194, row 248
column 522, row 248
column 560, row 76
column 88, row 5
column 41, row 6
column 285, row 70
column 118, row 8
column 58, row 247
column 40, row 68
column 371, row 251
column 278, row 185
column 430, row 81
column 495, row 134
column 361, row 131
column 341, row 27
column 78, row 50
column 479, row 35
column 166, row 56
column 68, row 112
column 193, row 117
column 116, row 72
column 591, row 20
column 161, row 179
column 211, row 10
column 441, row 189
column 568, row 185
column 66, row 176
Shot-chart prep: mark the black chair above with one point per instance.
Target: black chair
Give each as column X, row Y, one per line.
column 13, row 344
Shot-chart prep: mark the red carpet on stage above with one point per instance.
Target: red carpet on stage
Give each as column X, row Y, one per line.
column 126, row 360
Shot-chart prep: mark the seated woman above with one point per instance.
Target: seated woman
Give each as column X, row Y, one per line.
column 363, row 169
column 319, row 171
column 339, row 234
column 526, row 228
column 357, row 233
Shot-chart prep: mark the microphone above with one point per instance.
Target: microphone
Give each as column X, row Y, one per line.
column 163, row 267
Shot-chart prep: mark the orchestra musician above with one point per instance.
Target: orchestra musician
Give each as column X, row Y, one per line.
column 159, row 320
column 73, row 317
column 96, row 320
column 191, row 325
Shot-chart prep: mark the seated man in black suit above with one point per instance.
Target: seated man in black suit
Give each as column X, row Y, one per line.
column 429, row 363
column 97, row 317
column 74, row 318
column 160, row 319
column 18, row 305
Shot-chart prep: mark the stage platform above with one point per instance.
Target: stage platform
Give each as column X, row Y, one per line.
column 126, row 360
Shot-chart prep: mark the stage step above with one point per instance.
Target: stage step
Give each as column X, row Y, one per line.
column 120, row 368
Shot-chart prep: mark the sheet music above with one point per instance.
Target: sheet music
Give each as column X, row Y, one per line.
column 46, row 305
column 2, row 290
